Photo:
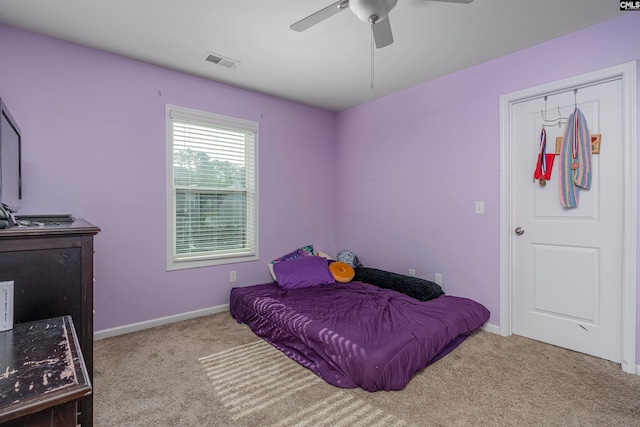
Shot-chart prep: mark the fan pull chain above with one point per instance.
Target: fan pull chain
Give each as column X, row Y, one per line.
column 372, row 85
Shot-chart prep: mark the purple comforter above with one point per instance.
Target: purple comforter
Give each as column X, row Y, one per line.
column 356, row 334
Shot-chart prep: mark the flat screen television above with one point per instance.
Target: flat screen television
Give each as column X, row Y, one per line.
column 10, row 160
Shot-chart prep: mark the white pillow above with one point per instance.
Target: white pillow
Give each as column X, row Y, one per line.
column 323, row 255
column 273, row 274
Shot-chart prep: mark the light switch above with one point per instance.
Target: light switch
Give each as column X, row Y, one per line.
column 479, row 207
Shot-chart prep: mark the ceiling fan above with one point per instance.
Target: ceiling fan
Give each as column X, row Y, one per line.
column 375, row 12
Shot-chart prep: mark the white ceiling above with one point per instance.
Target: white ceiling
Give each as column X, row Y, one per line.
column 327, row 66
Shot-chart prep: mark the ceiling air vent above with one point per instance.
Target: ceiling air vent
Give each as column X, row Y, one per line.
column 214, row 58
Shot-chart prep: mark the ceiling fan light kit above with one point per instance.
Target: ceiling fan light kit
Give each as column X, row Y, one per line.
column 372, row 10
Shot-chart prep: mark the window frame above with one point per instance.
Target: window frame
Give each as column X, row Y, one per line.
column 216, row 120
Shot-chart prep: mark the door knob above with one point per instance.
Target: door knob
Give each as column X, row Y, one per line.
column 519, row 231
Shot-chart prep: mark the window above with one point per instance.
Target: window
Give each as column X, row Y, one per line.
column 211, row 185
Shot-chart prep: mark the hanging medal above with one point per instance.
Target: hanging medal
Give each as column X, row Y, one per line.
column 542, row 158
column 545, row 161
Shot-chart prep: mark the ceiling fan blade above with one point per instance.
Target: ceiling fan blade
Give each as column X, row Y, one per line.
column 319, row 16
column 382, row 33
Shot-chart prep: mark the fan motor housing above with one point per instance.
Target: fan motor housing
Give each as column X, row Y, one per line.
column 366, row 10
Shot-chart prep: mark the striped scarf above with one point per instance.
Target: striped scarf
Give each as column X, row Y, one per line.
column 575, row 160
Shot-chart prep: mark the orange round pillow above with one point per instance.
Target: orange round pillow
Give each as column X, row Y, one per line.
column 341, row 271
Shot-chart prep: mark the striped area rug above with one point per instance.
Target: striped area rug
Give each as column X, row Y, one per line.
column 257, row 377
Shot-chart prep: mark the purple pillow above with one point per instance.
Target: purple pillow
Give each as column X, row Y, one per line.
column 303, row 272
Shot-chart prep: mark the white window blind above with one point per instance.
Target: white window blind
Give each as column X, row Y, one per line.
column 213, row 188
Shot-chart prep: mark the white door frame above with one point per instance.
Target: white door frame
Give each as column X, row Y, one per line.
column 627, row 74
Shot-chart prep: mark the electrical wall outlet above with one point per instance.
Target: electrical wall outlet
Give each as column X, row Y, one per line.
column 438, row 279
column 6, row 306
column 232, row 276
column 412, row 272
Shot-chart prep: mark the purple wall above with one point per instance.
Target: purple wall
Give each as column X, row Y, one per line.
column 411, row 165
column 94, row 145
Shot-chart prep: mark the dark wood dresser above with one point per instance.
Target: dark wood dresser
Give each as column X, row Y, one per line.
column 52, row 270
column 44, row 374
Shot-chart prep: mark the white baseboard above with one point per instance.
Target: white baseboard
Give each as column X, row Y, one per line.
column 121, row 330
column 489, row 327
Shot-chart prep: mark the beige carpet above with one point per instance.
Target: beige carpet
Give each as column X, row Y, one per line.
column 212, row 371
